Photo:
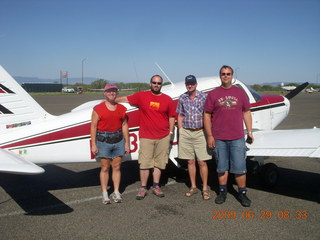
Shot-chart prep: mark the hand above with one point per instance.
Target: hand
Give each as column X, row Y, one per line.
column 127, row 148
column 94, row 149
column 211, row 142
column 250, row 138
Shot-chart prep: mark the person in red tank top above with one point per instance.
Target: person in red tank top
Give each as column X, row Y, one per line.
column 109, row 140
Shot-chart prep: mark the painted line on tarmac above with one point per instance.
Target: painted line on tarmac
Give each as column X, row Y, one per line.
column 74, row 202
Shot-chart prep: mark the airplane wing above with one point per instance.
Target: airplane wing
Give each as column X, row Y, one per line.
column 286, row 143
column 11, row 162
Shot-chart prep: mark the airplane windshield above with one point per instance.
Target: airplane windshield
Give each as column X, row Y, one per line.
column 254, row 93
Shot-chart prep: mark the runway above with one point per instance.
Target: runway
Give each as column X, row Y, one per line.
column 65, row 201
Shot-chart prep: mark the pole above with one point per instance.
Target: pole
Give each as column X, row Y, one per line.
column 82, row 70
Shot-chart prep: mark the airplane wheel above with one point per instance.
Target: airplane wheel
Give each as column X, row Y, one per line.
column 269, row 175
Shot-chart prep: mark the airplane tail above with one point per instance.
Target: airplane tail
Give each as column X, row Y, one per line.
column 17, row 107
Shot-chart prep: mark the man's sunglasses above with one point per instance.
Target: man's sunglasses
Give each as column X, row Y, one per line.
column 228, row 74
column 157, row 83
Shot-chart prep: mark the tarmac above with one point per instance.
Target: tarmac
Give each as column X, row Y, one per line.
column 65, row 201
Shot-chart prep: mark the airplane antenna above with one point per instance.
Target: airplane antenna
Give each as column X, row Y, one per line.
column 172, row 84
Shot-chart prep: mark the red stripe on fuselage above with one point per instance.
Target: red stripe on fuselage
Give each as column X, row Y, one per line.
column 72, row 132
column 77, row 131
column 267, row 100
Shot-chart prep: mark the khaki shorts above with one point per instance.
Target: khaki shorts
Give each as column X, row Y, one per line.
column 193, row 145
column 154, row 153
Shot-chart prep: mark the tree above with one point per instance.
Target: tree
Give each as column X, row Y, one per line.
column 98, row 84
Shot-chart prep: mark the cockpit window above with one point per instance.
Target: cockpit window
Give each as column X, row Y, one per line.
column 255, row 94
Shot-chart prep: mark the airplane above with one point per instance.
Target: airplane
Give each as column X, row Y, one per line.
column 287, row 88
column 311, row 90
column 30, row 136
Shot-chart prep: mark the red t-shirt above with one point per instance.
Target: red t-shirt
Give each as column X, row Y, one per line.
column 155, row 111
column 227, row 107
column 110, row 121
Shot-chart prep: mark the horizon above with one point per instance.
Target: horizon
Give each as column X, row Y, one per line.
column 89, row 80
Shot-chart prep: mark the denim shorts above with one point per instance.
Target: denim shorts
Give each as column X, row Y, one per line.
column 231, row 156
column 109, row 150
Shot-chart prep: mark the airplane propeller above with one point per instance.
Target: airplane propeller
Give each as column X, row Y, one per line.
column 298, row 89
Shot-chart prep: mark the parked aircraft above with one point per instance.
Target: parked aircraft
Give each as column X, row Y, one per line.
column 30, row 136
column 287, row 88
column 311, row 90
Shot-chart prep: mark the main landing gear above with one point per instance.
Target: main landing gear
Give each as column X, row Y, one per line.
column 268, row 173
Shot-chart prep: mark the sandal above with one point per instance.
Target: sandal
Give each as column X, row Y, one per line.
column 191, row 192
column 206, row 195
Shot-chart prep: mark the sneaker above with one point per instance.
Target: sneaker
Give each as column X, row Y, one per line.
column 141, row 193
column 157, row 191
column 244, row 200
column 221, row 198
column 105, row 198
column 116, row 196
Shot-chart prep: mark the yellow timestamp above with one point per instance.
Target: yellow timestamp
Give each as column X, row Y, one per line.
column 263, row 214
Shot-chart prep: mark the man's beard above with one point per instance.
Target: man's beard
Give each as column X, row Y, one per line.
column 156, row 91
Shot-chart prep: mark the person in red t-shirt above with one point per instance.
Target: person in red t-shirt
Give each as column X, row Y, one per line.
column 225, row 110
column 157, row 116
column 109, row 140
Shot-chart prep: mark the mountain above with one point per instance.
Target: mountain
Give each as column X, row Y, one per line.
column 86, row 80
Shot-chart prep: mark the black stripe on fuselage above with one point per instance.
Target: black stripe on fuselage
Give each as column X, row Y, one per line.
column 5, row 89
column 5, row 110
column 255, row 109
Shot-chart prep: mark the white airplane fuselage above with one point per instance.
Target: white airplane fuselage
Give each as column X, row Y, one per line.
column 66, row 138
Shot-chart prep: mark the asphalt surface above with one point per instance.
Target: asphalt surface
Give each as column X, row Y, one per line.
column 65, row 201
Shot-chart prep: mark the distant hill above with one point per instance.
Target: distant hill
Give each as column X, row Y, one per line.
column 89, row 80
column 86, row 80
column 279, row 83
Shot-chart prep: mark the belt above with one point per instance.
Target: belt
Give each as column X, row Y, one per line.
column 194, row 129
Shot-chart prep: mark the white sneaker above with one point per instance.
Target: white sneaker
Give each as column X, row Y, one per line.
column 105, row 198
column 116, row 196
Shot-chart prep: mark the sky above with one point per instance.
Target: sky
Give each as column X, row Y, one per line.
column 120, row 40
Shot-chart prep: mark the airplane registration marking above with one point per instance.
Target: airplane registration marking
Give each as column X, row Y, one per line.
column 133, row 143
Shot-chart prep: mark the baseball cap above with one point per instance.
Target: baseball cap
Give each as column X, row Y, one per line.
column 191, row 79
column 110, row 86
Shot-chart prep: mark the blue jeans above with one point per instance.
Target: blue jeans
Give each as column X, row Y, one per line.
column 231, row 156
column 110, row 150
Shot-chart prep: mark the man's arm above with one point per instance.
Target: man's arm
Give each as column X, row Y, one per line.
column 247, row 118
column 207, row 128
column 171, row 124
column 179, row 121
column 123, row 99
